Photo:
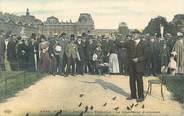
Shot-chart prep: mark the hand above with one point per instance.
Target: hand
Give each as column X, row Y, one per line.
column 135, row 60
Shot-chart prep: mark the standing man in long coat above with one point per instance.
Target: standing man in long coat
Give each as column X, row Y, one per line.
column 2, row 53
column 179, row 49
column 12, row 54
column 33, row 54
column 62, row 55
column 71, row 53
column 80, row 57
column 136, row 54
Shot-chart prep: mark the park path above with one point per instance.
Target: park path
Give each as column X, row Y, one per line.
column 53, row 93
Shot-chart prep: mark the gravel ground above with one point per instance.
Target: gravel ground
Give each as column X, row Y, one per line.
column 55, row 93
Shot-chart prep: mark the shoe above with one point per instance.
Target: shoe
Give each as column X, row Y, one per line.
column 130, row 98
column 140, row 100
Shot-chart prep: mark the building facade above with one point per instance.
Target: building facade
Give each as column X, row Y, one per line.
column 53, row 26
column 10, row 23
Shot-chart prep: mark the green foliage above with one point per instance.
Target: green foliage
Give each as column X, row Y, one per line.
column 17, row 81
column 176, row 86
column 154, row 26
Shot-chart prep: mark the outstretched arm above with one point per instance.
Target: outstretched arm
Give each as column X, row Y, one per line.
column 122, row 44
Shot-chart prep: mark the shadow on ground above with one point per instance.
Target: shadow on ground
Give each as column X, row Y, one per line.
column 109, row 86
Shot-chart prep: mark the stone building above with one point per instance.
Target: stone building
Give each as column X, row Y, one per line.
column 53, row 26
column 10, row 23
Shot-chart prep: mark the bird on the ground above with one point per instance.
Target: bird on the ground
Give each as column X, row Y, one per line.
column 80, row 104
column 81, row 95
column 86, row 109
column 116, row 108
column 91, row 108
column 114, row 98
column 143, row 106
column 59, row 112
column 128, row 108
column 27, row 114
column 82, row 113
column 132, row 105
column 105, row 104
column 136, row 105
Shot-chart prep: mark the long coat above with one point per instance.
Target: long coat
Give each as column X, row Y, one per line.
column 134, row 51
column 11, row 51
column 179, row 48
column 2, row 51
column 71, row 50
column 81, row 51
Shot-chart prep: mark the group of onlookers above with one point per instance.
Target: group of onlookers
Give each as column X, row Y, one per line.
column 79, row 54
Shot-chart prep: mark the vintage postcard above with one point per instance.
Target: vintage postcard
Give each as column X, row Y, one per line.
column 91, row 58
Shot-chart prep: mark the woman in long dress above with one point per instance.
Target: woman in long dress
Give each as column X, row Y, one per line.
column 44, row 57
column 113, row 62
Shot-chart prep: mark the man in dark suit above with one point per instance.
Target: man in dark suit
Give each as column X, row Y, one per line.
column 136, row 54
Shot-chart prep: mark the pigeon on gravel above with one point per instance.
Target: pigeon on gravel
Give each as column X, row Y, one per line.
column 80, row 104
column 82, row 113
column 81, row 95
column 128, row 108
column 136, row 105
column 132, row 105
column 91, row 108
column 114, row 98
column 116, row 108
column 143, row 106
column 105, row 104
column 86, row 109
column 27, row 114
column 59, row 112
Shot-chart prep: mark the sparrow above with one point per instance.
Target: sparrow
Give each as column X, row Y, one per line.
column 91, row 108
column 80, row 104
column 59, row 112
column 136, row 105
column 128, row 108
column 114, row 98
column 86, row 109
column 116, row 108
column 132, row 105
column 105, row 104
column 81, row 95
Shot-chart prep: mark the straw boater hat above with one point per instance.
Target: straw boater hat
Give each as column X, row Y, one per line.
column 179, row 34
column 174, row 53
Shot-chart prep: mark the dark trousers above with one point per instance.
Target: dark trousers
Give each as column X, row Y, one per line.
column 70, row 62
column 79, row 67
column 88, row 65
column 53, row 65
column 136, row 83
column 61, row 66
column 64, row 62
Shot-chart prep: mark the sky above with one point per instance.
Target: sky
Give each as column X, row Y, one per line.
column 107, row 14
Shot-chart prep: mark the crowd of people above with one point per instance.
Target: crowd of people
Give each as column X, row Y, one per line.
column 80, row 54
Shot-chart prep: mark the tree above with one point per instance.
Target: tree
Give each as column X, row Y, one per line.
column 154, row 26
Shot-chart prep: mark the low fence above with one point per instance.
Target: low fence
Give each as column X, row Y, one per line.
column 13, row 81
